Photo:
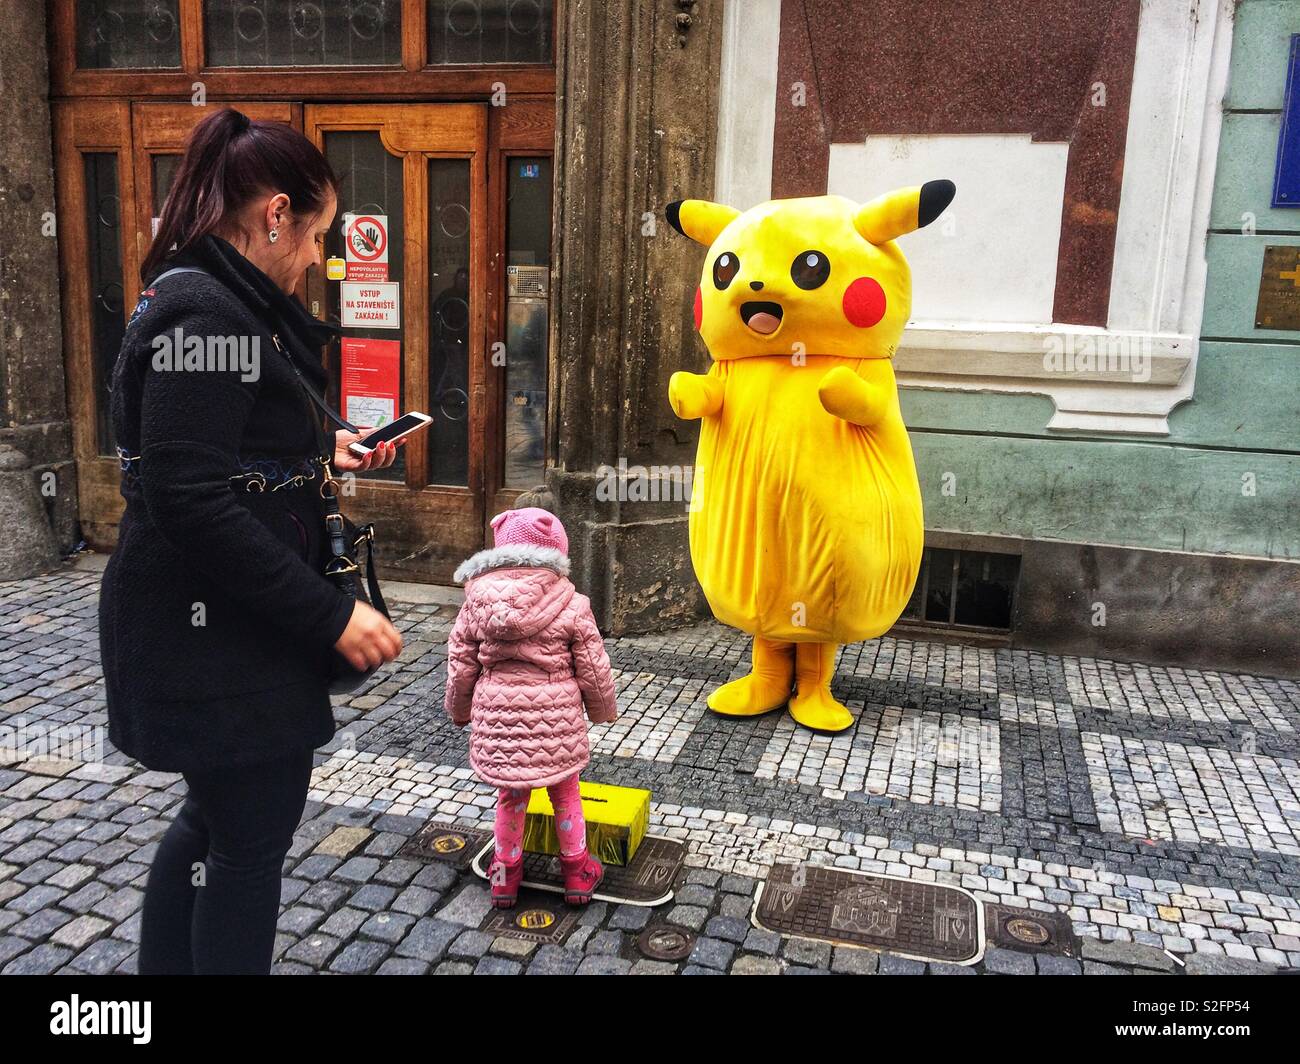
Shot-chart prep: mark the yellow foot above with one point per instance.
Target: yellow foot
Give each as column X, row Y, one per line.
column 749, row 696
column 819, row 711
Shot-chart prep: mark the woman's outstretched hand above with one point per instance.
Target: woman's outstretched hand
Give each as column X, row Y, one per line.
column 346, row 462
column 369, row 640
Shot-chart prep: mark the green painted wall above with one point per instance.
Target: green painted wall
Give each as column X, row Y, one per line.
column 989, row 465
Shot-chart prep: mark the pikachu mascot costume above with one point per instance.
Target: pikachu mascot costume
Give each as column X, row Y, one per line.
column 805, row 522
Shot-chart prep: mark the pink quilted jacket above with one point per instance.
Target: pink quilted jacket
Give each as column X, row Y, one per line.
column 524, row 660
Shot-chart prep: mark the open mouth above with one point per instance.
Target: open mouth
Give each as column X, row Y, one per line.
column 761, row 316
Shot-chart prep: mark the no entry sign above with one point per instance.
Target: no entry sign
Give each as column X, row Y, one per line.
column 365, row 240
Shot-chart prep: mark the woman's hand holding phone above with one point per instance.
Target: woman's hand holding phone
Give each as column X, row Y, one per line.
column 346, row 462
column 369, row 640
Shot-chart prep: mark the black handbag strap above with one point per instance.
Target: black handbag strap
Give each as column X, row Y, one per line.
column 342, row 564
column 316, row 398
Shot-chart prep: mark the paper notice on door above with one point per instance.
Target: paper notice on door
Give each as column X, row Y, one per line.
column 371, row 380
column 370, row 305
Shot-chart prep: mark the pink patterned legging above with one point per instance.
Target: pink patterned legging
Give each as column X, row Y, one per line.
column 512, row 804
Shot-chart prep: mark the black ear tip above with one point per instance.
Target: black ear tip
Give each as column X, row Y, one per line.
column 673, row 212
column 935, row 197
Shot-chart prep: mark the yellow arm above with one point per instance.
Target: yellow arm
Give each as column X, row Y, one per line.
column 694, row 395
column 846, row 395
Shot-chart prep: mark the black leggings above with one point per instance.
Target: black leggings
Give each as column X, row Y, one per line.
column 214, row 888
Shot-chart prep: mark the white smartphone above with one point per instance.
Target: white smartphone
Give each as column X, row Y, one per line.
column 390, row 433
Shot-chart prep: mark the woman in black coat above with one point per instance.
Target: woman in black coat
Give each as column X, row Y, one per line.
column 217, row 625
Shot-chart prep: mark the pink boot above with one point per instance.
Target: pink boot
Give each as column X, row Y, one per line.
column 582, row 875
column 505, row 879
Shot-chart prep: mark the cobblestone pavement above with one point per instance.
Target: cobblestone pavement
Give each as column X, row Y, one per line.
column 1156, row 808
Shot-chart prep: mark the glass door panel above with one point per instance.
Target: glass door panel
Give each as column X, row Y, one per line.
column 367, row 377
column 408, row 296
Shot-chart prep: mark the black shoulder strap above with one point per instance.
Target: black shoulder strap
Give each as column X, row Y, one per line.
column 312, row 394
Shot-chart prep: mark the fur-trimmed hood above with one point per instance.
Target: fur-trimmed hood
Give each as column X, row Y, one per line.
column 515, row 591
column 512, row 556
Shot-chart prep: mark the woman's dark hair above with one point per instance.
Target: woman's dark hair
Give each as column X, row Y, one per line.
column 228, row 160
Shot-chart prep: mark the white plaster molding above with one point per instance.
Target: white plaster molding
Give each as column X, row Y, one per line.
column 1158, row 277
column 1099, row 380
column 751, row 40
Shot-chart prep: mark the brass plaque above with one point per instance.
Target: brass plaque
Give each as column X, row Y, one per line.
column 1279, row 288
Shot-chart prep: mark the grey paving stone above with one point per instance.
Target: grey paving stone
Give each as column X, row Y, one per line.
column 758, row 940
column 373, row 897
column 1209, row 964
column 607, row 943
column 729, row 928
column 551, row 959
column 711, row 953
column 692, row 916
column 356, row 869
column 1097, row 968
column 630, row 917
column 851, row 961
column 428, row 939
column 454, row 968
column 801, row 969
column 43, row 960
column 468, row 907
column 604, row 966
column 102, row 957
column 314, row 950
column 1048, row 964
column 299, row 920
column 403, row 966
column 696, row 969
column 1129, row 953
column 359, row 958
column 1008, row 962
column 344, row 923
column 808, row 952
column 890, row 964
column 497, row 966
column 470, row 945
column 942, row 968
column 416, row 901
column 387, row 927
column 649, row 967
column 751, row 964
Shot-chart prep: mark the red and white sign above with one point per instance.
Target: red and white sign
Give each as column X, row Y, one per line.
column 365, row 240
column 370, row 305
column 371, row 380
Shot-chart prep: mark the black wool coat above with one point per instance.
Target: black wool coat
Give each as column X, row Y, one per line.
column 216, row 623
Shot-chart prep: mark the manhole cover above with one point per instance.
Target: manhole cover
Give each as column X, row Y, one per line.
column 532, row 921
column 1030, row 931
column 648, row 880
column 446, row 842
column 921, row 920
column 667, row 942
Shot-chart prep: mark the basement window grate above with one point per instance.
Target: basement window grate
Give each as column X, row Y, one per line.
column 964, row 589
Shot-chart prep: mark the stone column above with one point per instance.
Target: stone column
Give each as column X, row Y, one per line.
column 33, row 403
column 636, row 125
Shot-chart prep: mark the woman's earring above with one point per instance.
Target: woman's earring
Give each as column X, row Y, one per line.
column 273, row 235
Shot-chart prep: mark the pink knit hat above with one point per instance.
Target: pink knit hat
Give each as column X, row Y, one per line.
column 530, row 524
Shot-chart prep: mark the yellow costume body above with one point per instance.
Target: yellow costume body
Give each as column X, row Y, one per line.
column 806, row 526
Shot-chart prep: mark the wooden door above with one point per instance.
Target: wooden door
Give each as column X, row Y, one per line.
column 413, row 178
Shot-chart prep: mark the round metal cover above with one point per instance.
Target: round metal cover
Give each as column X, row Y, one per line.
column 666, row 942
column 534, row 920
column 1028, row 931
column 448, row 843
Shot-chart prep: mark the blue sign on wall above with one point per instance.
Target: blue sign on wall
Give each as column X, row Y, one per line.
column 1286, row 180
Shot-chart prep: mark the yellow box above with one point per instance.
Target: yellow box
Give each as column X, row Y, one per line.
column 617, row 819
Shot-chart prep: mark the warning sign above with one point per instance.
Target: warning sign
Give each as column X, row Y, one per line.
column 365, row 240
column 370, row 305
column 371, row 379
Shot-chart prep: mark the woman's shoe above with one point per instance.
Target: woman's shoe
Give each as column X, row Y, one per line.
column 582, row 875
column 505, row 879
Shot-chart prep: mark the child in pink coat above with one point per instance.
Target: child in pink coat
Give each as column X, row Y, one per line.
column 524, row 661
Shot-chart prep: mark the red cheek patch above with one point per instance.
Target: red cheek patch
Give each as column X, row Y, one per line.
column 864, row 302
column 699, row 308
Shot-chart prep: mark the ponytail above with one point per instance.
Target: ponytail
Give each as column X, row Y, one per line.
column 229, row 159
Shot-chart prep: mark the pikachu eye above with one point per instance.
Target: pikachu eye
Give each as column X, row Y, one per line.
column 810, row 269
column 725, row 268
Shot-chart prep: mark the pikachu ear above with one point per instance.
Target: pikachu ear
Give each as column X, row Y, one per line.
column 903, row 210
column 700, row 220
